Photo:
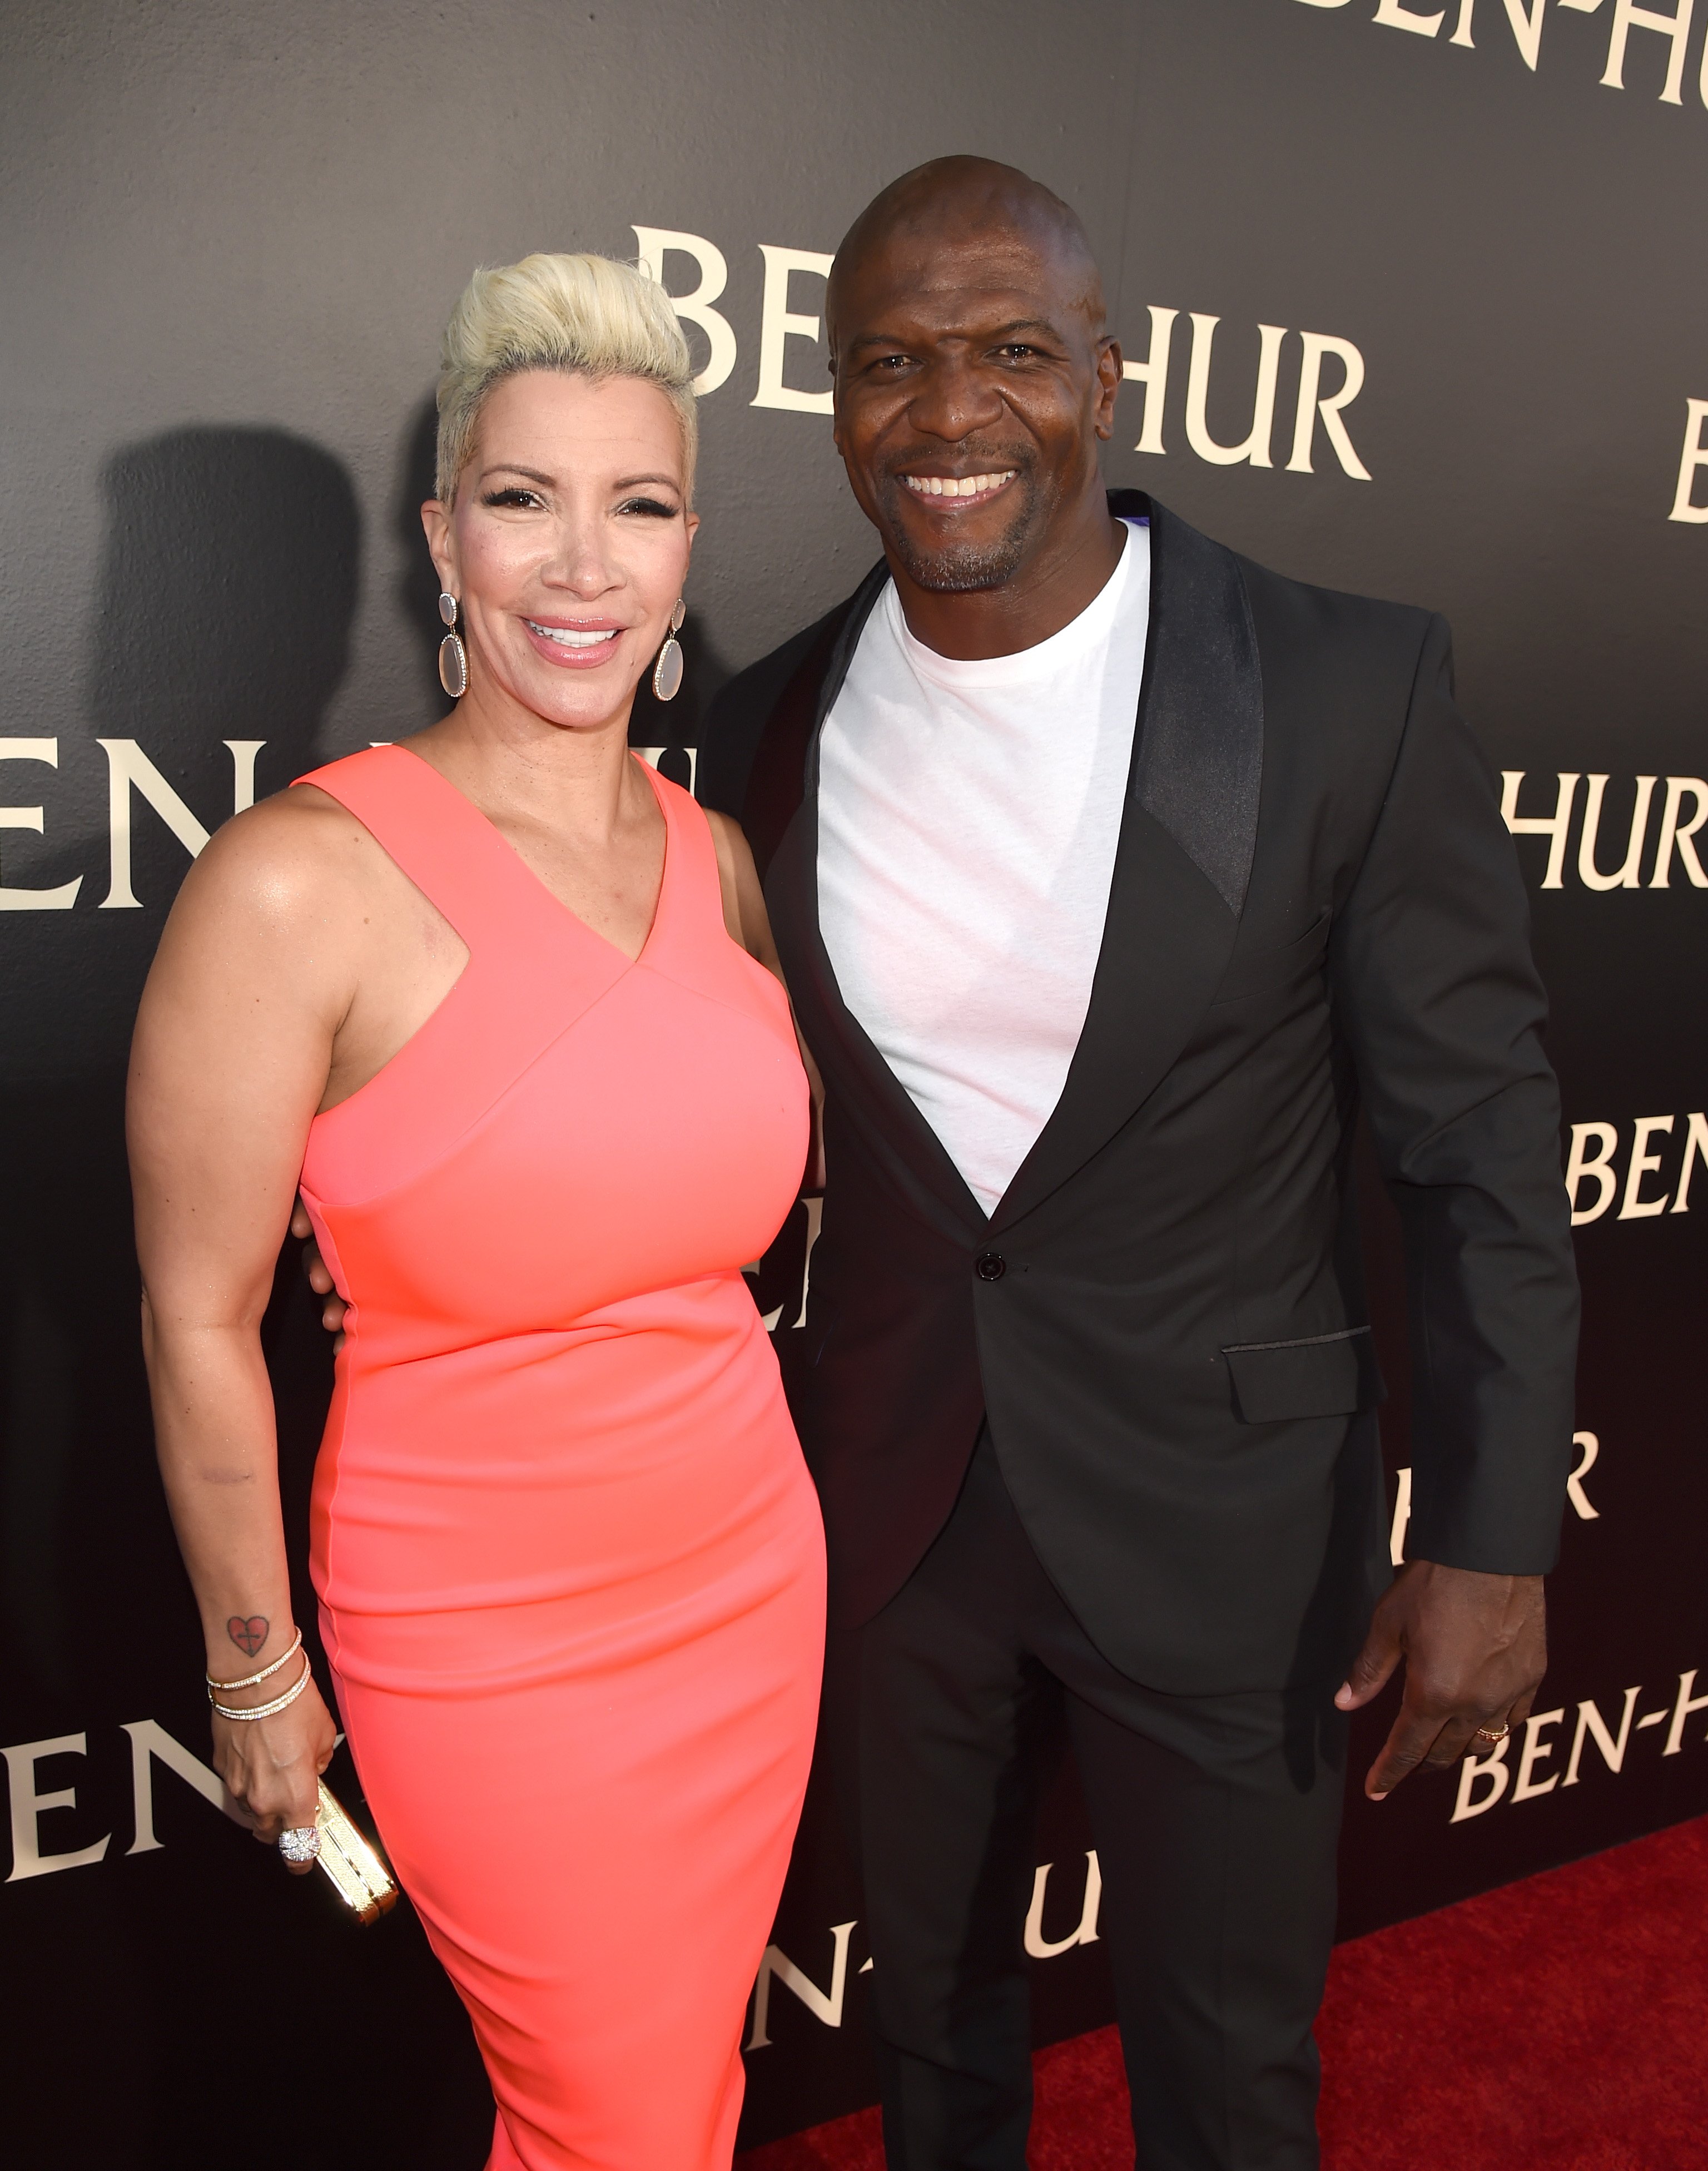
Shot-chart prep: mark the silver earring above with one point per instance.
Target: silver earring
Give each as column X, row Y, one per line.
column 667, row 673
column 453, row 656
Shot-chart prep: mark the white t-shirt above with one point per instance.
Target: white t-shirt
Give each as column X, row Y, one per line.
column 968, row 817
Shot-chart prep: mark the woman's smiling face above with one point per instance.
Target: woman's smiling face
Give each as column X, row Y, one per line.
column 567, row 543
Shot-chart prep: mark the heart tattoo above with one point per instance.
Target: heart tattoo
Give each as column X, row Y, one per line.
column 247, row 1635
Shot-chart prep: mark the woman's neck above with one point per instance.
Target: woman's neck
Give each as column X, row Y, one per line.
column 574, row 778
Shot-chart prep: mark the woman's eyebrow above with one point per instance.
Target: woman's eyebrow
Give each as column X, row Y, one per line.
column 534, row 474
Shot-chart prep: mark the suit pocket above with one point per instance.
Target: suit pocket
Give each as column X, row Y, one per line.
column 1275, row 968
column 1318, row 1375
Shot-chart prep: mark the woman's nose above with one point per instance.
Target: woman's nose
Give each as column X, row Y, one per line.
column 581, row 561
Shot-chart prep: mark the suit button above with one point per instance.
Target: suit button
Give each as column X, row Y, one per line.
column 990, row 1266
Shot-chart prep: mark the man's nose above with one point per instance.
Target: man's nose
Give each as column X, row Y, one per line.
column 953, row 401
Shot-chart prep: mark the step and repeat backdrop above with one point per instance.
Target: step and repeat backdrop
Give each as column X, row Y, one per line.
column 1411, row 303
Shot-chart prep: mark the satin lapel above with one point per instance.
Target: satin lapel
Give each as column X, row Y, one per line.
column 1184, row 856
column 895, row 1133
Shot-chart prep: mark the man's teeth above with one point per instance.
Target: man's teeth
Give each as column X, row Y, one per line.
column 569, row 636
column 957, row 486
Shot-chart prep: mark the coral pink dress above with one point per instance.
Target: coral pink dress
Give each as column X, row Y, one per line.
column 570, row 1561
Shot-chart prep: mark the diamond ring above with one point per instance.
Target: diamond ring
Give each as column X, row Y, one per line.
column 1490, row 1734
column 300, row 1843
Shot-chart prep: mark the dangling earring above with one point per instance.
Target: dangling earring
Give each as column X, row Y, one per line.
column 667, row 673
column 453, row 656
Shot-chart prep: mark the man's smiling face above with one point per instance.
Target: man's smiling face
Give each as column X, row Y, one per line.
column 973, row 381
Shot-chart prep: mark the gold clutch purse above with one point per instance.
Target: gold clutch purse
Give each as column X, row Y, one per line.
column 360, row 1879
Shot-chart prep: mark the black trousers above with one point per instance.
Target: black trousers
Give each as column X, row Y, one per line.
column 1215, row 1819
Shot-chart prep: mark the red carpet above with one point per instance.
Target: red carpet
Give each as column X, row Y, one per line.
column 1559, row 2023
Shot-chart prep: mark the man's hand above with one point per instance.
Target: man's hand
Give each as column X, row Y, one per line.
column 1475, row 1649
column 319, row 1280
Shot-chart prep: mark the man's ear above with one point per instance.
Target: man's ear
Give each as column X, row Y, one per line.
column 1109, row 382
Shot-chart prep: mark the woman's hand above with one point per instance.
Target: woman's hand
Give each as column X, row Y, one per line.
column 272, row 1767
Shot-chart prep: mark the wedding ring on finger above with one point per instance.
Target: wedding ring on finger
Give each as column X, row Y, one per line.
column 1493, row 1735
column 300, row 1843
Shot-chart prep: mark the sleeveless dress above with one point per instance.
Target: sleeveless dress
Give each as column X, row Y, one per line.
column 569, row 1559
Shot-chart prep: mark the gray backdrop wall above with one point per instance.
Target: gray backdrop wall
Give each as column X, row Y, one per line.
column 1418, row 294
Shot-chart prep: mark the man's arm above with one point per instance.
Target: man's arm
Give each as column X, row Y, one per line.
column 1435, row 989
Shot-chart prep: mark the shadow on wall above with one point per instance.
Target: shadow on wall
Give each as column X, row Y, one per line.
column 226, row 588
column 223, row 607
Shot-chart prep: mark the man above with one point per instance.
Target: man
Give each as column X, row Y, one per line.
column 1111, row 873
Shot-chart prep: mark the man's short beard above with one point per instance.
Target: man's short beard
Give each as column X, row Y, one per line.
column 964, row 568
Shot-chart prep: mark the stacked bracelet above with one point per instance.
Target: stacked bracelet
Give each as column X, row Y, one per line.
column 252, row 1681
column 279, row 1703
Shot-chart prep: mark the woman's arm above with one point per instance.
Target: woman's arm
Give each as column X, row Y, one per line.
column 749, row 923
column 230, row 1060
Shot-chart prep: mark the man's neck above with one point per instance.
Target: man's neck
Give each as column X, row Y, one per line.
column 1047, row 593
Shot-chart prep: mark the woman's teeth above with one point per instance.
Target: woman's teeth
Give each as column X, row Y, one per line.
column 569, row 636
column 956, row 486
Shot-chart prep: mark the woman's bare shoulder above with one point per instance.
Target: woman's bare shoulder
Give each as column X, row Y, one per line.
column 731, row 840
column 730, row 849
column 744, row 894
column 296, row 857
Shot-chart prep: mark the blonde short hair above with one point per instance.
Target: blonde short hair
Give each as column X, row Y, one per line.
column 587, row 315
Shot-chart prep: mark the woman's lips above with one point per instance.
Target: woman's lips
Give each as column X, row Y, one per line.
column 573, row 647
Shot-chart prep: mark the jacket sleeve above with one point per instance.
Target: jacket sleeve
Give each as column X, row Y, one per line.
column 1435, row 991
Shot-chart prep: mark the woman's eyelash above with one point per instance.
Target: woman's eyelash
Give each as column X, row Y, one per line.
column 514, row 494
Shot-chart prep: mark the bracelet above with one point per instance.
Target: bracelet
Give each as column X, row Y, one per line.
column 253, row 1680
column 279, row 1703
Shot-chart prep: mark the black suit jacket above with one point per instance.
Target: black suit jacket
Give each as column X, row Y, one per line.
column 1315, row 902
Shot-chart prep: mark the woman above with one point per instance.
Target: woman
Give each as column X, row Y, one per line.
column 503, row 1004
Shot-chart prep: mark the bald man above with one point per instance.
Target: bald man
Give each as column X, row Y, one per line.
column 1112, row 874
